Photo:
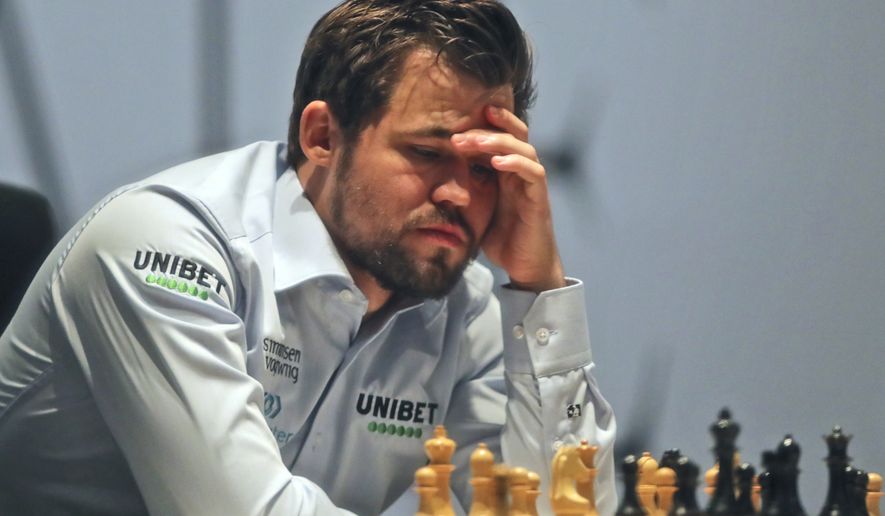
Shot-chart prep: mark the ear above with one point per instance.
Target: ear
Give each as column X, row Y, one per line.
column 318, row 133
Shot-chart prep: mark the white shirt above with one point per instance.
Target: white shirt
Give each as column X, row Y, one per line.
column 195, row 345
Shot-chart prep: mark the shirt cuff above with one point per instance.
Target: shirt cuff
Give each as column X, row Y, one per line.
column 545, row 334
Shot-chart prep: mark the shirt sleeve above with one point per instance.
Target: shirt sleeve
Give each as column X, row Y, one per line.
column 552, row 397
column 163, row 352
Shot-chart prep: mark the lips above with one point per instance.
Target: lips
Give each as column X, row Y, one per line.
column 446, row 234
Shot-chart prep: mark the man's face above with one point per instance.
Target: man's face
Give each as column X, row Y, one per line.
column 405, row 206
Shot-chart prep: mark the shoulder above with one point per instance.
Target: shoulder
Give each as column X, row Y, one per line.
column 145, row 235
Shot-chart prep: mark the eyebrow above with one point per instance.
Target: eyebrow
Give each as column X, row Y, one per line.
column 436, row 131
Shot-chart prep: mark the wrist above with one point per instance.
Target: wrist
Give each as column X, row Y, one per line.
column 554, row 280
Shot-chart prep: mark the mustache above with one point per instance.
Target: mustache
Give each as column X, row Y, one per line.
column 440, row 215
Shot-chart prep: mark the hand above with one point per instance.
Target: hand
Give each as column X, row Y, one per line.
column 521, row 239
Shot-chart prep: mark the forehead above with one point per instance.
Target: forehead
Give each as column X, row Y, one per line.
column 430, row 92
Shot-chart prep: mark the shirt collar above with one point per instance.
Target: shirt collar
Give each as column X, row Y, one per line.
column 302, row 247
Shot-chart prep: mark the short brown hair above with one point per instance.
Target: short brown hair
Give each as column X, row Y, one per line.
column 353, row 56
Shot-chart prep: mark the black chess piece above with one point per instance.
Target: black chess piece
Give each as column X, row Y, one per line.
column 670, row 458
column 725, row 432
column 856, row 481
column 768, row 483
column 685, row 502
column 787, row 460
column 745, row 473
column 630, row 501
column 861, row 481
column 837, row 460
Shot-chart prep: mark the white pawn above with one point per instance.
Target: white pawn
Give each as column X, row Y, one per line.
column 425, row 486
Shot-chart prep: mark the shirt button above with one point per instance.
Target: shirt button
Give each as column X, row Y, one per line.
column 543, row 335
column 519, row 331
column 346, row 296
column 557, row 444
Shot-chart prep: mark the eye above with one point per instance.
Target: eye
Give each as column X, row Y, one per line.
column 483, row 173
column 426, row 153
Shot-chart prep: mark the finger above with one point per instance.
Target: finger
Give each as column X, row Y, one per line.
column 528, row 170
column 486, row 142
column 509, row 122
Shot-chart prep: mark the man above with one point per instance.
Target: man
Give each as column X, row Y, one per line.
column 278, row 329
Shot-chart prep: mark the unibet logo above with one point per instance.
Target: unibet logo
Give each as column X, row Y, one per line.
column 164, row 264
column 392, row 408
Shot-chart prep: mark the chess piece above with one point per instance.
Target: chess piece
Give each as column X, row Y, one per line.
column 425, row 486
column 483, row 481
column 862, row 481
column 756, row 496
column 837, row 460
column 519, row 486
column 645, row 486
column 501, row 473
column 725, row 432
column 665, row 480
column 768, row 484
column 586, row 485
column 856, row 481
column 787, row 458
column 685, row 502
column 630, row 502
column 439, row 450
column 567, row 470
column 670, row 458
column 534, row 491
column 710, row 477
column 745, row 474
column 874, row 493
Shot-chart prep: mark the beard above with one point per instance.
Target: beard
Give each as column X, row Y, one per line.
column 381, row 252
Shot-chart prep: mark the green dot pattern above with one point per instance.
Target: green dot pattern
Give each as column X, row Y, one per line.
column 392, row 429
column 173, row 284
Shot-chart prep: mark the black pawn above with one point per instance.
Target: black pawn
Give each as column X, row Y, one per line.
column 856, row 481
column 745, row 474
column 630, row 501
column 787, row 464
column 861, row 482
column 837, row 460
column 725, row 432
column 685, row 502
column 768, row 483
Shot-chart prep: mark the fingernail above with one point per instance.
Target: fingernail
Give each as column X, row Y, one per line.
column 459, row 138
column 494, row 110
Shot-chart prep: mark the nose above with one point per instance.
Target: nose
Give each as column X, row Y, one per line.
column 452, row 190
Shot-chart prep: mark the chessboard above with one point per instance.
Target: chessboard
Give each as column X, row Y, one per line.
column 653, row 487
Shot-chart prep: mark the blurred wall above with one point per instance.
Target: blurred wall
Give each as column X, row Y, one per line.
column 716, row 168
